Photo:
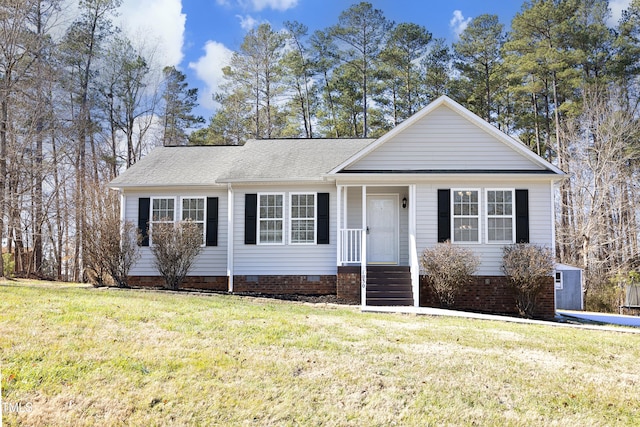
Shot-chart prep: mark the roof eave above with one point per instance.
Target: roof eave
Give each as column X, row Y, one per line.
column 149, row 186
column 306, row 180
column 447, row 176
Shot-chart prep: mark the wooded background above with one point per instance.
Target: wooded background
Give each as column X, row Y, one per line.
column 81, row 104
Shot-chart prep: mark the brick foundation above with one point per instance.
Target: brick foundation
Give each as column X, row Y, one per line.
column 490, row 294
column 210, row 283
column 286, row 284
column 348, row 284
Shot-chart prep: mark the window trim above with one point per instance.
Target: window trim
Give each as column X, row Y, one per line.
column 513, row 217
column 454, row 216
column 314, row 241
column 204, row 218
column 283, row 219
column 151, row 221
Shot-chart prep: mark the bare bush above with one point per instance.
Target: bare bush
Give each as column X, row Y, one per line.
column 528, row 268
column 449, row 269
column 175, row 248
column 112, row 251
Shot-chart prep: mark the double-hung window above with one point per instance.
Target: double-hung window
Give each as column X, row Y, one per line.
column 163, row 211
column 270, row 218
column 303, row 218
column 500, row 216
column 466, row 215
column 193, row 209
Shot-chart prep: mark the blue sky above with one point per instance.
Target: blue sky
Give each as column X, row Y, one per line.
column 198, row 36
column 219, row 24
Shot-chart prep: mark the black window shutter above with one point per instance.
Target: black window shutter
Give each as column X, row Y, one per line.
column 322, row 227
column 212, row 221
column 250, row 218
column 444, row 215
column 522, row 216
column 144, row 205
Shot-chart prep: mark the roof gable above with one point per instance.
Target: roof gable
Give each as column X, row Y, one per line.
column 444, row 136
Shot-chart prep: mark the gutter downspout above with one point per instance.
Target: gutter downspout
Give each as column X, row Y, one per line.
column 230, row 228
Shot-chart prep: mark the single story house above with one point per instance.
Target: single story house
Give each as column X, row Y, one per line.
column 350, row 216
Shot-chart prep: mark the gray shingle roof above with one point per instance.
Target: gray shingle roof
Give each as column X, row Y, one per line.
column 292, row 159
column 257, row 160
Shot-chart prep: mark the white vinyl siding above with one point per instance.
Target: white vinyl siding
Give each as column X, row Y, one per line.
column 283, row 259
column 212, row 260
column 444, row 140
column 540, row 224
column 302, row 224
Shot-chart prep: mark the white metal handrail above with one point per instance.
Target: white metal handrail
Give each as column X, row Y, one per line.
column 351, row 239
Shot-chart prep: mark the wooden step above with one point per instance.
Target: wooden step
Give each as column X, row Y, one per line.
column 389, row 285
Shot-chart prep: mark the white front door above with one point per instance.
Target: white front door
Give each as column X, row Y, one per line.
column 382, row 229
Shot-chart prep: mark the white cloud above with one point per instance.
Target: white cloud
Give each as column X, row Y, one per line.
column 280, row 5
column 247, row 22
column 160, row 23
column 258, row 5
column 458, row 22
column 208, row 68
column 617, row 6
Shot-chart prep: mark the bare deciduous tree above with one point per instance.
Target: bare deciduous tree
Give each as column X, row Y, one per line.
column 603, row 236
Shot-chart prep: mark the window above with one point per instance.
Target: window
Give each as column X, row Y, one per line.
column 466, row 216
column 270, row 218
column 500, row 218
column 303, row 219
column 558, row 280
column 193, row 210
column 163, row 210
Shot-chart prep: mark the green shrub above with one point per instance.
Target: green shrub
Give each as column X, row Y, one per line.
column 528, row 268
column 449, row 269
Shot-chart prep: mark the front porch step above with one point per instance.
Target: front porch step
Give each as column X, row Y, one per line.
column 389, row 285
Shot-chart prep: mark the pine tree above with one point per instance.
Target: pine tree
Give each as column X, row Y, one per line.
column 478, row 59
column 179, row 102
column 361, row 32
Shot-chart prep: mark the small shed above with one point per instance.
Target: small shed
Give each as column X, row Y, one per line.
column 569, row 284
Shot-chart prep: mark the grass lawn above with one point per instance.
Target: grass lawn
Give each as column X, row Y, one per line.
column 73, row 356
